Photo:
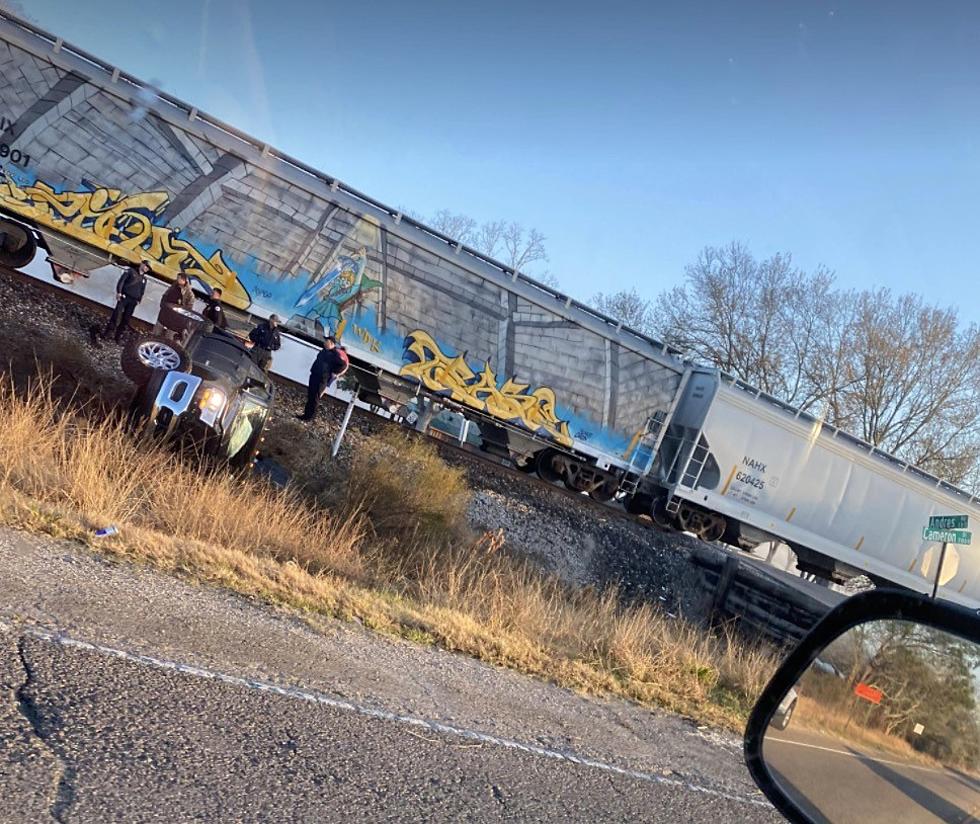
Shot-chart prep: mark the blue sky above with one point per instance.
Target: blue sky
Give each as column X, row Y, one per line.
column 630, row 134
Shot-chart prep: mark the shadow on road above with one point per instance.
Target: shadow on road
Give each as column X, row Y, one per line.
column 927, row 799
column 969, row 781
column 798, row 798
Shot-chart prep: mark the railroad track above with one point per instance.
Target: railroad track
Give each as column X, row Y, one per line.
column 511, row 482
column 446, row 442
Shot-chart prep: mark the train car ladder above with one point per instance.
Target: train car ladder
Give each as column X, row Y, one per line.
column 646, row 445
column 695, row 466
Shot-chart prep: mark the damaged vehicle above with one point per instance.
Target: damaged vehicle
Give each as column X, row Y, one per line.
column 209, row 392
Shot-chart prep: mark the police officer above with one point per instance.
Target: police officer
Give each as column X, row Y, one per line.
column 129, row 292
column 266, row 338
column 331, row 362
column 214, row 311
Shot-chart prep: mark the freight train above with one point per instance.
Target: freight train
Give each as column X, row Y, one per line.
column 99, row 167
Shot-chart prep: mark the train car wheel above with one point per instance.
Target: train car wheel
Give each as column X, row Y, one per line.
column 712, row 528
column 548, row 466
column 605, row 491
column 17, row 245
column 658, row 512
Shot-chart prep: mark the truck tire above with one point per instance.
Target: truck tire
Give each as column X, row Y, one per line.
column 782, row 722
column 144, row 356
column 17, row 245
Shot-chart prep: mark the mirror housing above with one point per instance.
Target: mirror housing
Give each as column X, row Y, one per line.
column 876, row 605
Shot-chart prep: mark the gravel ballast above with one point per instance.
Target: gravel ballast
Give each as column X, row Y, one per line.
column 570, row 536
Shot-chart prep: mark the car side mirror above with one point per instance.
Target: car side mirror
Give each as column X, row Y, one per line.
column 874, row 716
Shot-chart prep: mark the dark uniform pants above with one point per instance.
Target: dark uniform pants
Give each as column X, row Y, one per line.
column 119, row 319
column 262, row 356
column 318, row 382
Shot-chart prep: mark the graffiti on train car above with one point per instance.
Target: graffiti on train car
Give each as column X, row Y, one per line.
column 514, row 402
column 124, row 225
column 324, row 301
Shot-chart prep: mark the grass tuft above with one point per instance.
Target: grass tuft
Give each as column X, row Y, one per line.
column 391, row 549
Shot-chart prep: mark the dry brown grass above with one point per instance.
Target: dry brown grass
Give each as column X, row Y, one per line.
column 392, row 550
column 833, row 721
column 407, row 491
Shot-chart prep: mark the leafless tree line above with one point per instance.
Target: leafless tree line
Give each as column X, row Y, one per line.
column 512, row 244
column 898, row 372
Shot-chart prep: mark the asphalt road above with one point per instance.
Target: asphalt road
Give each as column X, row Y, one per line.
column 868, row 786
column 126, row 695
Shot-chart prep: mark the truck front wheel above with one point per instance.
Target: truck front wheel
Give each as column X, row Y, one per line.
column 144, row 356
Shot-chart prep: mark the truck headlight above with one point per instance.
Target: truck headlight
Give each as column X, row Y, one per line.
column 211, row 403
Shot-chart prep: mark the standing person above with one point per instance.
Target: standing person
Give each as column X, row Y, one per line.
column 265, row 336
column 178, row 294
column 214, row 312
column 129, row 292
column 331, row 362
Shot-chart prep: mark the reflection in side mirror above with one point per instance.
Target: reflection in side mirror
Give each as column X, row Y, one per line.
column 882, row 726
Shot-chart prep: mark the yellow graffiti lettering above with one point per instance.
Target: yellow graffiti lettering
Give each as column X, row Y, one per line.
column 125, row 226
column 370, row 340
column 513, row 402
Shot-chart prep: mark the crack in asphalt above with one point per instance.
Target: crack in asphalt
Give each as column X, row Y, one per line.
column 62, row 789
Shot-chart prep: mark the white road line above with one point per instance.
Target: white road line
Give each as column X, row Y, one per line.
column 852, row 754
column 371, row 712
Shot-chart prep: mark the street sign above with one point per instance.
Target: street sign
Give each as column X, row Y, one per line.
column 868, row 693
column 947, row 536
column 949, row 522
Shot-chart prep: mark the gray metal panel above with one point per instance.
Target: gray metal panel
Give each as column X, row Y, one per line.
column 854, row 440
column 178, row 113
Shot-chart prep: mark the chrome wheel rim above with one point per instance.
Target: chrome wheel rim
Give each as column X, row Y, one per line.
column 158, row 355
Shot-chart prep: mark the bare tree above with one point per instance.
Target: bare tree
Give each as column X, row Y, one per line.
column 507, row 241
column 627, row 306
column 458, row 227
column 898, row 373
column 522, row 247
column 754, row 319
column 906, row 377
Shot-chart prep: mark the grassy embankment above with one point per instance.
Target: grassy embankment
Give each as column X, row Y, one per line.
column 844, row 722
column 388, row 548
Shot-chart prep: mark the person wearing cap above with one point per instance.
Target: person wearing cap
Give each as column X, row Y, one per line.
column 266, row 338
column 331, row 362
column 129, row 292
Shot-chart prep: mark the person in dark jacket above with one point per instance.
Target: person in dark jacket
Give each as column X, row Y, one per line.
column 214, row 311
column 265, row 336
column 179, row 294
column 331, row 362
column 129, row 292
